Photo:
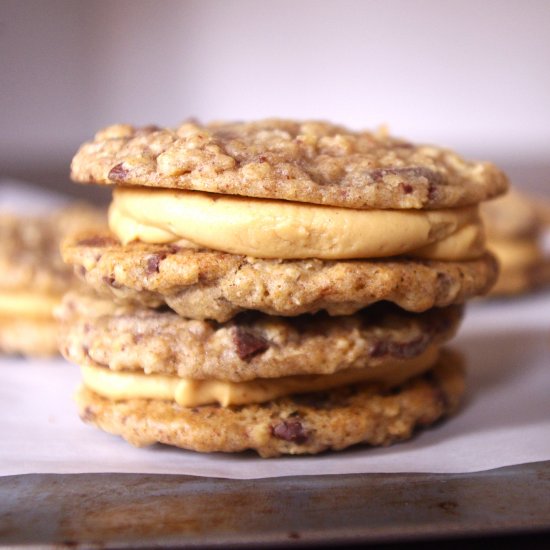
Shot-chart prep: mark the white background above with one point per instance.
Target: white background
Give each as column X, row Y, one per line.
column 472, row 75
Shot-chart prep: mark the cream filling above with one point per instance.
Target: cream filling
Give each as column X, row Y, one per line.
column 27, row 304
column 118, row 385
column 281, row 229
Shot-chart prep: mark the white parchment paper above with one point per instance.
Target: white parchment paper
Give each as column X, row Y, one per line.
column 505, row 419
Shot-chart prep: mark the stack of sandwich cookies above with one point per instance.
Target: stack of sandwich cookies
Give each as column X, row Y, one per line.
column 33, row 277
column 311, row 275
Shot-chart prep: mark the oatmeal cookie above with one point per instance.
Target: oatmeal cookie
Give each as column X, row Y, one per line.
column 251, row 345
column 514, row 229
column 514, row 281
column 204, row 284
column 512, row 216
column 33, row 277
column 29, row 248
column 314, row 162
column 30, row 337
column 299, row 424
column 29, row 256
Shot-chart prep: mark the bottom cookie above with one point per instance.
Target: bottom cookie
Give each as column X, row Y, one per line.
column 29, row 337
column 299, row 424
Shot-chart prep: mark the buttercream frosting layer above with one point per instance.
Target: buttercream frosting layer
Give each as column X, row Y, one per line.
column 266, row 228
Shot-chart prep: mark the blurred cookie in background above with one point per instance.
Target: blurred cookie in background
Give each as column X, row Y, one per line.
column 33, row 277
column 515, row 228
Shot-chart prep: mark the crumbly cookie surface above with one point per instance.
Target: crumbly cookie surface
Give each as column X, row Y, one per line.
column 29, row 337
column 29, row 256
column 29, row 248
column 300, row 424
column 250, row 345
column 206, row 284
column 314, row 162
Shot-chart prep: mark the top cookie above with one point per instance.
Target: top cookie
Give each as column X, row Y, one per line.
column 314, row 162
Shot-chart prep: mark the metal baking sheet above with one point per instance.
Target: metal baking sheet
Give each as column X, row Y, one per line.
column 136, row 510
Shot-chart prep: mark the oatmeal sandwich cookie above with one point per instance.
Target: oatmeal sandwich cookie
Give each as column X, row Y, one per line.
column 33, row 277
column 515, row 228
column 278, row 286
column 250, row 346
column 273, row 384
column 367, row 413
